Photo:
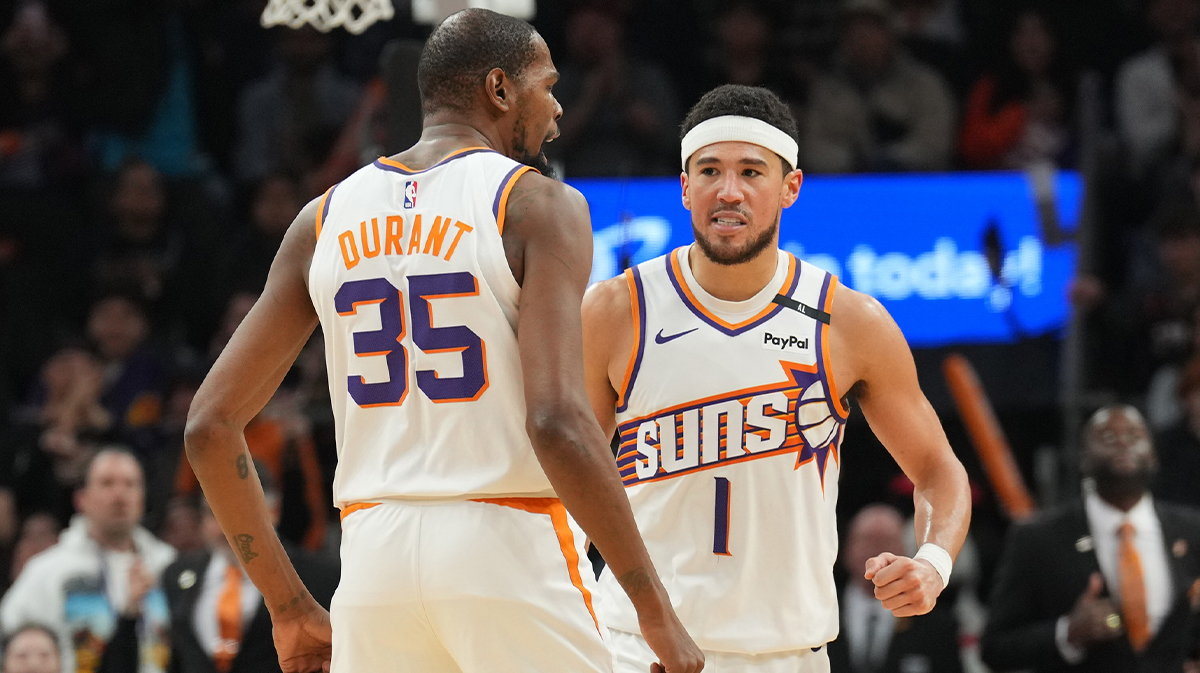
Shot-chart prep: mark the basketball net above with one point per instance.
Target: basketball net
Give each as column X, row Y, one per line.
column 325, row 15
column 356, row 15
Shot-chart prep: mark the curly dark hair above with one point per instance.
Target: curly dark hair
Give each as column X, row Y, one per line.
column 464, row 49
column 743, row 101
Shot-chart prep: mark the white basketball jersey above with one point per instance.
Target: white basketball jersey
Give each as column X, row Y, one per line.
column 419, row 311
column 729, row 436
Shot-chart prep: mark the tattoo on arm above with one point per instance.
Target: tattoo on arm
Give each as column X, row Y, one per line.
column 243, row 547
column 635, row 582
column 284, row 607
column 243, row 467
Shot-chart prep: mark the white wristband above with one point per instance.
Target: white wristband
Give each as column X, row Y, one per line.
column 938, row 558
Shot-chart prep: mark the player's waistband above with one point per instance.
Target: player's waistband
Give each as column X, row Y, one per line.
column 529, row 503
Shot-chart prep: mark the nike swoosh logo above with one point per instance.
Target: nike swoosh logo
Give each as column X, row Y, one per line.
column 660, row 339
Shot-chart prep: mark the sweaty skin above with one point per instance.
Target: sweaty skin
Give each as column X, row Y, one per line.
column 547, row 240
column 735, row 192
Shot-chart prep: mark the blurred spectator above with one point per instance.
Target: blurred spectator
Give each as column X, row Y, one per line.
column 290, row 119
column 38, row 145
column 169, row 515
column 280, row 440
column 134, row 376
column 104, row 568
column 933, row 32
column 872, row 639
column 1179, row 445
column 1158, row 89
column 182, row 526
column 619, row 111
column 218, row 618
column 38, row 533
column 744, row 53
column 248, row 257
column 1165, row 400
column 54, row 434
column 141, row 250
column 880, row 110
column 236, row 310
column 1108, row 584
column 135, row 80
column 1151, row 319
column 362, row 140
column 31, row 649
column 1017, row 116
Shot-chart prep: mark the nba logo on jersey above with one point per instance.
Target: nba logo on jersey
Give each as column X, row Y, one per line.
column 410, row 194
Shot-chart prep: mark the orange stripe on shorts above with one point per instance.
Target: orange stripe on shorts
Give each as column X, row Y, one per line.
column 354, row 507
column 566, row 539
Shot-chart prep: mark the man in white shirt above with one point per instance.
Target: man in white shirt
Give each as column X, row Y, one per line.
column 1110, row 584
column 83, row 585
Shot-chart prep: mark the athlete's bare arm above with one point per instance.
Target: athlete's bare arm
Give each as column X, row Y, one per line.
column 241, row 382
column 549, row 241
column 872, row 361
column 607, row 337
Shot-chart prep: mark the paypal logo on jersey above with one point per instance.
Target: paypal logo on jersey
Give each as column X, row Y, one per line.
column 784, row 342
column 410, row 194
column 914, row 242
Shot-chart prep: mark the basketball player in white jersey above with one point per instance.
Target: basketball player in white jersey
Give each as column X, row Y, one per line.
column 724, row 367
column 447, row 281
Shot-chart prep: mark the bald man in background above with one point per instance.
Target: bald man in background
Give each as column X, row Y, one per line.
column 872, row 639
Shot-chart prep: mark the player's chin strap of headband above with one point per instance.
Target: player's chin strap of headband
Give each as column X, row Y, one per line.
column 734, row 128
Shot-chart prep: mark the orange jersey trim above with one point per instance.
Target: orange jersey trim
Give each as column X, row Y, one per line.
column 833, row 392
column 562, row 529
column 321, row 210
column 503, row 207
column 396, row 164
column 354, row 507
column 631, row 367
column 691, row 298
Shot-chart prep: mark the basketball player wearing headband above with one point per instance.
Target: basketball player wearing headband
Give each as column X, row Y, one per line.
column 725, row 367
column 447, row 281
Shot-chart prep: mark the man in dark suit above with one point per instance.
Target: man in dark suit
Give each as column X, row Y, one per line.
column 872, row 639
column 219, row 623
column 1104, row 585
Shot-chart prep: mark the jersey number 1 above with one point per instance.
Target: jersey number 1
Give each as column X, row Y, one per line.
column 388, row 340
column 721, row 519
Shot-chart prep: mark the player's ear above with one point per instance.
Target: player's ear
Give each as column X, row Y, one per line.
column 499, row 87
column 791, row 187
column 683, row 182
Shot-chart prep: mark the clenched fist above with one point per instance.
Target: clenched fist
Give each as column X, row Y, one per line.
column 906, row 586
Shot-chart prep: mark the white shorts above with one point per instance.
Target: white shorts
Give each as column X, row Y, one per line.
column 465, row 586
column 631, row 654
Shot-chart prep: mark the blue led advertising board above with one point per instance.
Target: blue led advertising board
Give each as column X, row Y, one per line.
column 915, row 242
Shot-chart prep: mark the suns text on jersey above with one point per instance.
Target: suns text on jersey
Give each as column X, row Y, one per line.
column 396, row 236
column 793, row 416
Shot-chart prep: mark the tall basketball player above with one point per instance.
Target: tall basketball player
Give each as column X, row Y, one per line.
column 724, row 366
column 447, row 281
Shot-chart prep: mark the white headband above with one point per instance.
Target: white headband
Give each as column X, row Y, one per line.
column 738, row 129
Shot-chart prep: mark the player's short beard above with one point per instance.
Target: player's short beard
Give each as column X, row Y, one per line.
column 739, row 255
column 520, row 145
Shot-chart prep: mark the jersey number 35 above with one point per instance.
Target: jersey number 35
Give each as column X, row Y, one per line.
column 388, row 340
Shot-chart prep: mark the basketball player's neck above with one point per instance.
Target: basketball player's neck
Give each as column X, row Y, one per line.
column 738, row 282
column 444, row 134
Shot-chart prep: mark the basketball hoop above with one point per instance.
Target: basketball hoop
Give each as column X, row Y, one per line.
column 325, row 15
column 356, row 15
